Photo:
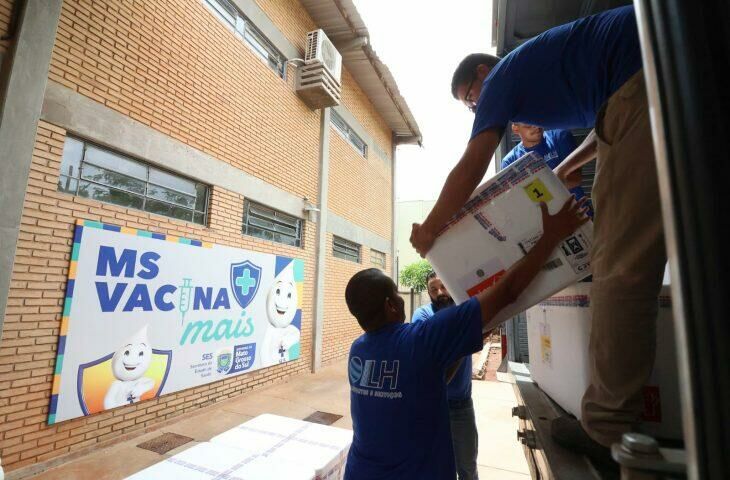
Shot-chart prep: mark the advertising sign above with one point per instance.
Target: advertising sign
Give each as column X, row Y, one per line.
column 147, row 314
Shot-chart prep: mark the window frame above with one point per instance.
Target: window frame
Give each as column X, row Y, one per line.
column 348, row 133
column 79, row 179
column 245, row 30
column 344, row 245
column 380, row 256
column 277, row 217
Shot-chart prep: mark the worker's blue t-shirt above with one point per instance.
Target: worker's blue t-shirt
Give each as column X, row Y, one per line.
column 400, row 414
column 555, row 146
column 460, row 386
column 560, row 79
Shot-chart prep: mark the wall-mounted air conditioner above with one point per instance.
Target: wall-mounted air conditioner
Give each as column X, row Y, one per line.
column 321, row 50
column 318, row 80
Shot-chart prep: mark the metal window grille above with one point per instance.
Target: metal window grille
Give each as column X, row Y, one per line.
column 253, row 37
column 264, row 222
column 348, row 133
column 101, row 174
column 346, row 249
column 377, row 258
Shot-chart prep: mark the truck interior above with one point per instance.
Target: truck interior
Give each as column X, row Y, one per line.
column 684, row 46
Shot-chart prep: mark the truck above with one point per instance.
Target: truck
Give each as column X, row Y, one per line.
column 683, row 45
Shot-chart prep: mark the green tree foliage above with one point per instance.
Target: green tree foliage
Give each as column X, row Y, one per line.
column 414, row 275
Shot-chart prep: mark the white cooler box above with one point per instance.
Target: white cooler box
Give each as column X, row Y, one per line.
column 558, row 333
column 206, row 461
column 316, row 447
column 264, row 448
column 498, row 225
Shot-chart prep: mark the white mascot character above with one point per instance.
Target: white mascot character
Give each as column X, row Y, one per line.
column 129, row 364
column 281, row 338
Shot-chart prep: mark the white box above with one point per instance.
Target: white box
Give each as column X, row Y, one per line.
column 317, row 447
column 558, row 334
column 207, row 460
column 498, row 225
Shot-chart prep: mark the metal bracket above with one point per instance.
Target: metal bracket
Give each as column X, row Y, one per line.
column 641, row 458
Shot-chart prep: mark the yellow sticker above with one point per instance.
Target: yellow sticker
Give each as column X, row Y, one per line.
column 538, row 192
column 546, row 346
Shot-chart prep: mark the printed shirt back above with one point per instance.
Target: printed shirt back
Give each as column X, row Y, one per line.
column 398, row 395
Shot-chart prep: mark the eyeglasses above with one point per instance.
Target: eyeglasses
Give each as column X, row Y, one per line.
column 470, row 102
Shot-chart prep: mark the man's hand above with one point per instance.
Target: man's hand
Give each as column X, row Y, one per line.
column 566, row 221
column 518, row 276
column 421, row 239
column 569, row 169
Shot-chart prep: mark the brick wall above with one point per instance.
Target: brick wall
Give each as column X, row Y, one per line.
column 341, row 328
column 176, row 67
column 153, row 62
column 5, row 8
column 357, row 103
column 359, row 187
column 33, row 315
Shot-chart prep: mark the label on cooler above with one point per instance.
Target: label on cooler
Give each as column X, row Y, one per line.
column 546, row 344
column 576, row 249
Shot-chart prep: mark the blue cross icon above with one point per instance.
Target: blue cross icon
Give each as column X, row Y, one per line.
column 245, row 282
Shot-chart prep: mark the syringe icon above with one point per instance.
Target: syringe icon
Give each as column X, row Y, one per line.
column 184, row 304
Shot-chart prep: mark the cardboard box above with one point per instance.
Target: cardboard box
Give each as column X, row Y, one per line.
column 558, row 334
column 315, row 447
column 205, row 461
column 498, row 225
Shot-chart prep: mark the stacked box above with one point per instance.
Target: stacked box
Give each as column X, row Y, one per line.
column 558, row 333
column 317, row 447
column 266, row 447
column 499, row 224
column 206, row 461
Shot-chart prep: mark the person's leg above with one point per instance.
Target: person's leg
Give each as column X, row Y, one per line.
column 465, row 439
column 628, row 260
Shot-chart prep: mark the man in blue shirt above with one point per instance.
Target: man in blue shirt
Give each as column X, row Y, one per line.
column 461, row 408
column 553, row 145
column 397, row 370
column 587, row 73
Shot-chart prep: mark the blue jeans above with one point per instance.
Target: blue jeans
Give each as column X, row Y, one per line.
column 464, row 437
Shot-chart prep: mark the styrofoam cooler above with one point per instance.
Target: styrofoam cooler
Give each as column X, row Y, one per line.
column 558, row 334
column 320, row 448
column 499, row 224
column 208, row 460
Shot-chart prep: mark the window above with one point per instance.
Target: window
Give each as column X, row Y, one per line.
column 345, row 249
column 377, row 258
column 246, row 30
column 269, row 224
column 93, row 172
column 348, row 133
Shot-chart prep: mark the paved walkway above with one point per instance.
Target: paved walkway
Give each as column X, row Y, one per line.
column 500, row 457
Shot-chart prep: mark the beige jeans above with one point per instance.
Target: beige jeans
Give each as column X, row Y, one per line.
column 628, row 262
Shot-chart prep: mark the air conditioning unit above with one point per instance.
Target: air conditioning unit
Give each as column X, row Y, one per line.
column 321, row 50
column 318, row 80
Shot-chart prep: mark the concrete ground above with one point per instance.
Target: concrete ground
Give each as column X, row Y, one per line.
column 500, row 456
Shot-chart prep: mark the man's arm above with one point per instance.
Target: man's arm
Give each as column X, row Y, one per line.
column 451, row 371
column 569, row 169
column 520, row 275
column 460, row 184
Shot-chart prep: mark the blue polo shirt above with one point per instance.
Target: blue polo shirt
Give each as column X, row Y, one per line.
column 555, row 146
column 460, row 386
column 400, row 414
column 560, row 79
